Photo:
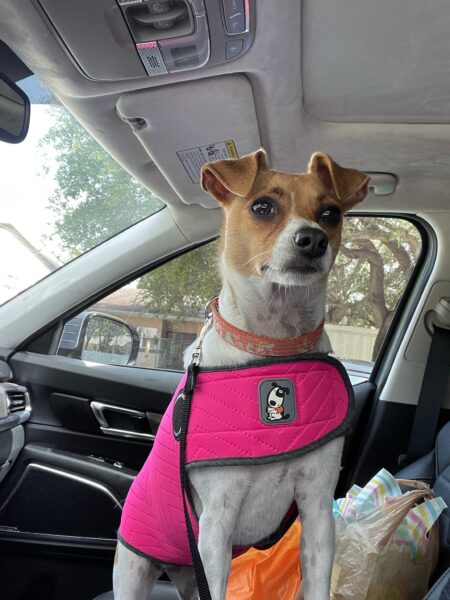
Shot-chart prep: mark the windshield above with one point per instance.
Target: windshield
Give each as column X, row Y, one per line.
column 62, row 194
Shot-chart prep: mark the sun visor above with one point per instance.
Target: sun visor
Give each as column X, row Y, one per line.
column 379, row 61
column 185, row 125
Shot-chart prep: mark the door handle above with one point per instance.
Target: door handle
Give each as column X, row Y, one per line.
column 99, row 409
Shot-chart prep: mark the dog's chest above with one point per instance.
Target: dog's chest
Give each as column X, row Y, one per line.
column 259, row 496
column 252, row 501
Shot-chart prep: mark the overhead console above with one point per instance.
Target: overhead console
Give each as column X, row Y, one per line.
column 125, row 39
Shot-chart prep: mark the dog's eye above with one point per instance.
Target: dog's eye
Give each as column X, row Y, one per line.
column 331, row 215
column 264, row 207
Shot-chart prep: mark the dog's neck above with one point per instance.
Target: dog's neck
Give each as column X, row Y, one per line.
column 263, row 308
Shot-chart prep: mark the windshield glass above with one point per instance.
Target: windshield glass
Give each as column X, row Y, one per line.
column 62, row 194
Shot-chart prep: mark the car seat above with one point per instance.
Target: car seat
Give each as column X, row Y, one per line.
column 434, row 468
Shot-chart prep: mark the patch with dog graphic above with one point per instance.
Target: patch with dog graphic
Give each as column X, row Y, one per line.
column 277, row 405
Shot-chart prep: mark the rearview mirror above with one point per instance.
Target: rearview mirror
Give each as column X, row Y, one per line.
column 14, row 112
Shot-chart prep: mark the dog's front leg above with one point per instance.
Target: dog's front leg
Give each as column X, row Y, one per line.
column 317, row 551
column 133, row 575
column 218, row 506
column 215, row 544
column 314, row 491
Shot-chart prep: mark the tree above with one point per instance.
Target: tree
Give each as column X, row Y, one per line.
column 183, row 285
column 374, row 265
column 94, row 196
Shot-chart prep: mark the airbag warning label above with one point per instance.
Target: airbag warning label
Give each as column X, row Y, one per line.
column 194, row 158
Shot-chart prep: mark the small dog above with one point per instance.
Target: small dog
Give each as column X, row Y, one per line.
column 281, row 235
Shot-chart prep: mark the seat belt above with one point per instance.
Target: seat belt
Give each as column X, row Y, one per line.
column 434, row 385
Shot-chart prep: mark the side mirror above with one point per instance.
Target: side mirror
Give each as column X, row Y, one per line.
column 100, row 338
column 14, row 112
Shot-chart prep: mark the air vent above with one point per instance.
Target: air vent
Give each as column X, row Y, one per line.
column 17, row 398
column 16, row 401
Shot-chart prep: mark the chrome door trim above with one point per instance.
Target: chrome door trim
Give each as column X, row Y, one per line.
column 128, row 434
column 67, row 475
column 13, row 532
column 98, row 409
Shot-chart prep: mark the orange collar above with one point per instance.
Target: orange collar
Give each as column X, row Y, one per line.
column 261, row 344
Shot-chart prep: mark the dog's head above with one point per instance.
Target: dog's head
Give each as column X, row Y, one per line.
column 285, row 227
column 277, row 395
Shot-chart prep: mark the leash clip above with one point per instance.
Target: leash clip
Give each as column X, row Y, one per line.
column 197, row 352
column 195, row 358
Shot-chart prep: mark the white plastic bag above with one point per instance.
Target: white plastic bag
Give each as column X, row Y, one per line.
column 386, row 540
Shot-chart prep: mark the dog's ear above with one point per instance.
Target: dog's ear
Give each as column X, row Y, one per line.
column 274, row 384
column 234, row 176
column 349, row 185
column 287, row 391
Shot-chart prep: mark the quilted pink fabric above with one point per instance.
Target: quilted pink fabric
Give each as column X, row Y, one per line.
column 226, row 425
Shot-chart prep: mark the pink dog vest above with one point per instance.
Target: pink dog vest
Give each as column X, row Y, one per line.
column 251, row 415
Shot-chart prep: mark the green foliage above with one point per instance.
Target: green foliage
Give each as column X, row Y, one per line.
column 183, row 285
column 95, row 197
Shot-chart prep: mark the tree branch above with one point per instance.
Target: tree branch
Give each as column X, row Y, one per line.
column 376, row 296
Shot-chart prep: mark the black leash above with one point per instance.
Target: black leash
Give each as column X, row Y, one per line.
column 200, row 577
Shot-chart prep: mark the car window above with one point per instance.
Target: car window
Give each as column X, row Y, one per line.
column 62, row 194
column 165, row 307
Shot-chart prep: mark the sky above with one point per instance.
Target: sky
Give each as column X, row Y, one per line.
column 26, row 222
column 25, row 190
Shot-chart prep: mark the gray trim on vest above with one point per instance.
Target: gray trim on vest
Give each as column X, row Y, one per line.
column 148, row 556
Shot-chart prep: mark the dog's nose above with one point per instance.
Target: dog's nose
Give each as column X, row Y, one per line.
column 312, row 242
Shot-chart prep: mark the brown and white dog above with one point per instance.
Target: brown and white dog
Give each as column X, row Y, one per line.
column 281, row 235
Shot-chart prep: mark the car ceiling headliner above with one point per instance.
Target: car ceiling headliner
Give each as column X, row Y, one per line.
column 265, row 87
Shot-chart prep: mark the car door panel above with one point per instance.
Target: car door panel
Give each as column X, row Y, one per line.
column 130, row 386
column 63, row 389
column 62, row 498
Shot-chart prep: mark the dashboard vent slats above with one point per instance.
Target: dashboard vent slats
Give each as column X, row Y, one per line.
column 17, row 401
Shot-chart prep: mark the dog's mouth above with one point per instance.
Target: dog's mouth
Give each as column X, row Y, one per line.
column 297, row 273
column 272, row 403
column 304, row 269
column 309, row 268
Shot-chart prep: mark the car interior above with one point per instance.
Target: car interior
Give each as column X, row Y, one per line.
column 163, row 87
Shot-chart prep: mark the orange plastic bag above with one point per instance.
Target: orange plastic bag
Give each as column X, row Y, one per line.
column 274, row 573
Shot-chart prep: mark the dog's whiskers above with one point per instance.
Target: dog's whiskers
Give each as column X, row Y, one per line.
column 253, row 258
